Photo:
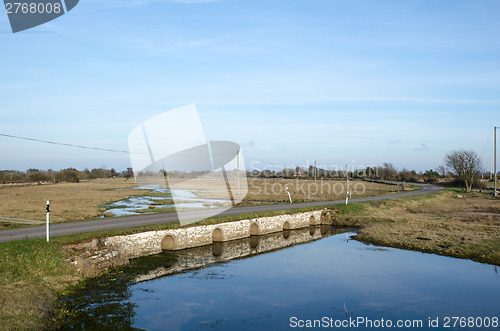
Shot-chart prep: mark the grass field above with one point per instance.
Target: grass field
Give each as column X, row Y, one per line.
column 275, row 189
column 68, row 201
column 81, row 201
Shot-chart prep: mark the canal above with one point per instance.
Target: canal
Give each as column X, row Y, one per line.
column 308, row 277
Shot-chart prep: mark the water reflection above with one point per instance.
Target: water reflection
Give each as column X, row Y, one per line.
column 199, row 257
column 311, row 279
column 105, row 302
column 99, row 304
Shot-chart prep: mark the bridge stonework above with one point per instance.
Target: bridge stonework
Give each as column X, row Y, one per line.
column 153, row 242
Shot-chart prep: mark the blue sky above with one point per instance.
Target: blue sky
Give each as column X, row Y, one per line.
column 340, row 82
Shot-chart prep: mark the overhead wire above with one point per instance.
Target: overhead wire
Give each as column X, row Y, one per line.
column 99, row 148
column 486, row 147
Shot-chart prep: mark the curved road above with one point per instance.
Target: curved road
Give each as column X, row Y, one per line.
column 130, row 221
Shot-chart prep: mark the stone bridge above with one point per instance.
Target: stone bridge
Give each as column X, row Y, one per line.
column 153, row 242
column 198, row 257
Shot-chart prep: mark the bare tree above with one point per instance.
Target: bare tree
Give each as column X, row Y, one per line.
column 442, row 170
column 465, row 164
column 389, row 172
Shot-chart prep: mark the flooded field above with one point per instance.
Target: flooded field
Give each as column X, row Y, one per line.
column 284, row 280
column 149, row 203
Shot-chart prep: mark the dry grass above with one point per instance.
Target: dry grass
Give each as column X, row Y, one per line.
column 81, row 201
column 466, row 227
column 275, row 189
column 68, row 201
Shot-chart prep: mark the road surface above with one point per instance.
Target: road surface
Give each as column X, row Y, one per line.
column 131, row 221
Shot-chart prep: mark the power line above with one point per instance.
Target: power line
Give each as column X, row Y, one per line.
column 98, row 148
column 63, row 144
column 123, row 151
column 272, row 163
column 269, row 163
column 487, row 145
column 126, row 152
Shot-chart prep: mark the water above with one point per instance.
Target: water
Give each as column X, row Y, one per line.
column 231, row 286
column 137, row 205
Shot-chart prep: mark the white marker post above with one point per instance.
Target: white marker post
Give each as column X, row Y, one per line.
column 348, row 190
column 48, row 212
column 289, row 196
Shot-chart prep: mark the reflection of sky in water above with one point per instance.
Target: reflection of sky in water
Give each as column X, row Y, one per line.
column 314, row 280
column 131, row 205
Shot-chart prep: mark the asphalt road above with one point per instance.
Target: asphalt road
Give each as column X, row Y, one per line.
column 131, row 221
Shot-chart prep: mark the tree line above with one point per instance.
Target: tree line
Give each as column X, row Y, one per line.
column 68, row 175
column 459, row 168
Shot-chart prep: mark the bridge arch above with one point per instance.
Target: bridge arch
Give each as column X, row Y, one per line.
column 217, row 249
column 254, row 229
column 168, row 243
column 254, row 242
column 217, row 235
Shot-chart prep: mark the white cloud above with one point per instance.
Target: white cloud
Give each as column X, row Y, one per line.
column 422, row 147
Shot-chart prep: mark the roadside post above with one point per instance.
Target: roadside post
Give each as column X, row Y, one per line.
column 348, row 190
column 47, row 209
column 289, row 196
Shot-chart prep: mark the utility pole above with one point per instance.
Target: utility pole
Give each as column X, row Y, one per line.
column 495, row 157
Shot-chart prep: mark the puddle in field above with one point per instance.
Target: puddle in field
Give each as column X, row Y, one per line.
column 141, row 204
column 272, row 282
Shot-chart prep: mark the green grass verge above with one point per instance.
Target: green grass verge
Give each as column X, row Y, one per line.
column 32, row 273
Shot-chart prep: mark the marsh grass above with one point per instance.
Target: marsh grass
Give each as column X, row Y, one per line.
column 440, row 223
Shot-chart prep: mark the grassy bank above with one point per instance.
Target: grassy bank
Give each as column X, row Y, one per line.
column 451, row 223
column 32, row 273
